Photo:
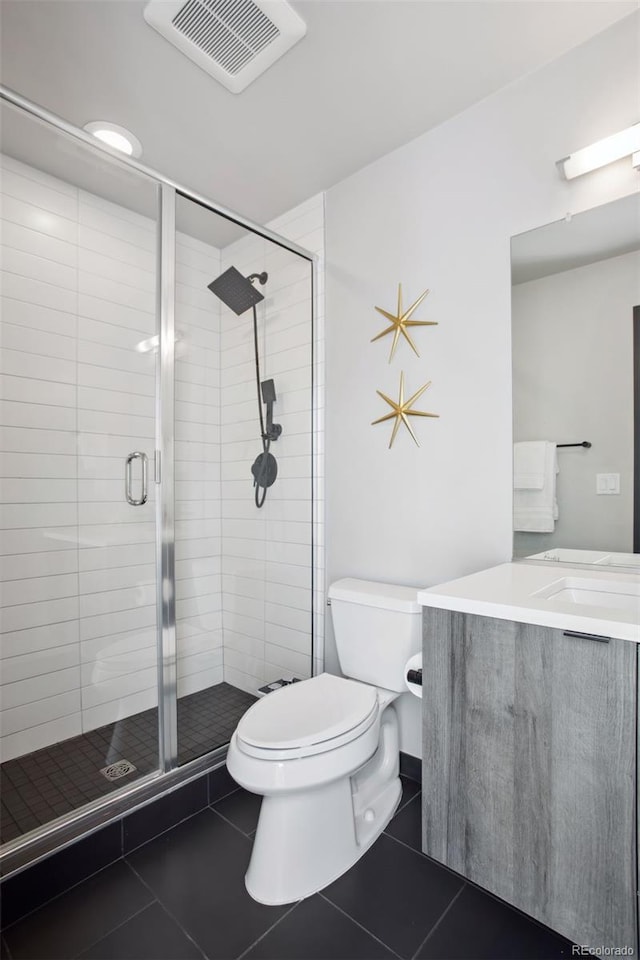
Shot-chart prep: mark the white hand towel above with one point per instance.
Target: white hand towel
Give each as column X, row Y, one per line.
column 528, row 464
column 536, row 510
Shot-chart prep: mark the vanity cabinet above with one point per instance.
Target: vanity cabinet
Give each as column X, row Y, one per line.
column 529, row 769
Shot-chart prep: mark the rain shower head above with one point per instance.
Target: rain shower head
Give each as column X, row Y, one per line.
column 236, row 291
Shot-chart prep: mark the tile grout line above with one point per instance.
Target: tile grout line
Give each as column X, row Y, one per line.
column 167, row 911
column 403, row 805
column 452, row 873
column 119, row 925
column 439, row 920
column 230, row 823
column 189, row 816
column 224, row 795
column 414, row 850
column 5, row 947
column 358, row 924
column 269, row 929
column 57, row 896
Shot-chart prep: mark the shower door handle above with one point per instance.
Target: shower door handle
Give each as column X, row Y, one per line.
column 136, row 455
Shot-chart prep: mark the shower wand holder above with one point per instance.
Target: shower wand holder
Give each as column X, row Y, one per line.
column 272, row 430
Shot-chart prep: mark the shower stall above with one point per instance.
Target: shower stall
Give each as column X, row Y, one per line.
column 158, row 545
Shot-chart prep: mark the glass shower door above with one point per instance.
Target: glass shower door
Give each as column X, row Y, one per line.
column 117, row 353
column 78, row 641
column 244, row 574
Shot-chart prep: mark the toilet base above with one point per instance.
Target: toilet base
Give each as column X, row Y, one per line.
column 307, row 839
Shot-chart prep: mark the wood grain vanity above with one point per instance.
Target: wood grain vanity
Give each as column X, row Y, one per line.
column 530, row 743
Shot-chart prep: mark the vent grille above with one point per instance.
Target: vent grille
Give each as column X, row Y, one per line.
column 234, row 41
column 231, row 32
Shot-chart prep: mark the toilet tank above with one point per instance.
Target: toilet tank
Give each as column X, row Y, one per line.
column 377, row 627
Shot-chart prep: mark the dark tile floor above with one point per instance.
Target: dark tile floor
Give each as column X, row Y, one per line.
column 182, row 895
column 48, row 783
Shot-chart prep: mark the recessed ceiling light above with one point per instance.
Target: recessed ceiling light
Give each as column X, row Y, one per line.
column 114, row 136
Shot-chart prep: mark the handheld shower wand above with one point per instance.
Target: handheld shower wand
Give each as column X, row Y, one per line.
column 273, row 430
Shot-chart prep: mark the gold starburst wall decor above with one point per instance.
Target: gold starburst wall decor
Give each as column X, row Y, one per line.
column 402, row 409
column 400, row 321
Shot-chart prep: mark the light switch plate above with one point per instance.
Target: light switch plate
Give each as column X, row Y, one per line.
column 607, row 484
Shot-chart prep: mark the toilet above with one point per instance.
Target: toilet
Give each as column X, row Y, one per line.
column 324, row 753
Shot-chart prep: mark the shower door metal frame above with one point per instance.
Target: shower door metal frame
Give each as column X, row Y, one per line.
column 18, row 854
column 165, row 505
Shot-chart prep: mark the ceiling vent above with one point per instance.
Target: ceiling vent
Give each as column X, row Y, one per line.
column 233, row 40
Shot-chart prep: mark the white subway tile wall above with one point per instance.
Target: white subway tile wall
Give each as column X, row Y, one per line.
column 197, row 469
column 305, row 226
column 116, row 415
column 77, row 564
column 272, row 586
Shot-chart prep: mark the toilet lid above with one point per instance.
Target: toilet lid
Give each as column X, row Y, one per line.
column 308, row 712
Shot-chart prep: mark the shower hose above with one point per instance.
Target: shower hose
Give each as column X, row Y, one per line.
column 261, row 476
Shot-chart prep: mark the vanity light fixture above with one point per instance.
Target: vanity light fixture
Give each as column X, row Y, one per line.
column 116, row 137
column 626, row 143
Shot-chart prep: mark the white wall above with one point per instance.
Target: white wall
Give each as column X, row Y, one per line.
column 572, row 381
column 439, row 213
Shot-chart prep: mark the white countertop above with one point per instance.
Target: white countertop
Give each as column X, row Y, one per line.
column 627, row 562
column 507, row 592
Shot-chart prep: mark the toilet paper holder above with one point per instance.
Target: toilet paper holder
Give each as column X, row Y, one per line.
column 413, row 675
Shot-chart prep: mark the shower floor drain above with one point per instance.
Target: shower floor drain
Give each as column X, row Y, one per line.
column 118, row 769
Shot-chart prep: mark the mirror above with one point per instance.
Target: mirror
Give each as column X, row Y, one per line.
column 576, row 348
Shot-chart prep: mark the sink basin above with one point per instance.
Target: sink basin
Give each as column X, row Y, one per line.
column 623, row 596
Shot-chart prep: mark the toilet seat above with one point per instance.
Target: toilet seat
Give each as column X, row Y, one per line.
column 306, row 718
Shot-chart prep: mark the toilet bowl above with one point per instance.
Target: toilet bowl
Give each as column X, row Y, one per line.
column 324, row 752
column 324, row 755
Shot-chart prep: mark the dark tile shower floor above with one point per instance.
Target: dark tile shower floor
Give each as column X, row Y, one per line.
column 207, row 719
column 40, row 786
